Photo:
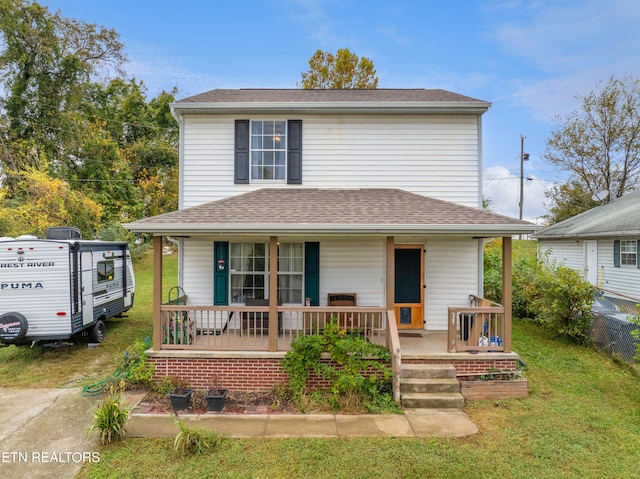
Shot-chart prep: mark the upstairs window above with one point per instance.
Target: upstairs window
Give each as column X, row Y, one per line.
column 268, row 150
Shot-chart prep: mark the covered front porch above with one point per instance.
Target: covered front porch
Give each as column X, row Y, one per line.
column 244, row 345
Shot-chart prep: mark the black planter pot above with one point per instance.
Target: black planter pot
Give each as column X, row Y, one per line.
column 215, row 400
column 180, row 398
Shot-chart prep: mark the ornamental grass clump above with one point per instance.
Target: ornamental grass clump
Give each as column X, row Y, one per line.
column 110, row 417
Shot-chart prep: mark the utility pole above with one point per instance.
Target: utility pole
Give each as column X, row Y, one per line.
column 523, row 157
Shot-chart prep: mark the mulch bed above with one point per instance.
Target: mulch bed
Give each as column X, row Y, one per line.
column 237, row 402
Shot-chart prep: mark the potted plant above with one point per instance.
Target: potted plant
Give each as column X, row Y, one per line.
column 180, row 398
column 215, row 397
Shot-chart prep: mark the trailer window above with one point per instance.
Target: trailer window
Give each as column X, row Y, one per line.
column 105, row 271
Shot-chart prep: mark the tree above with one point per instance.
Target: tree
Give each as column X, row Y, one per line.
column 45, row 62
column 599, row 144
column 568, row 199
column 340, row 72
column 37, row 202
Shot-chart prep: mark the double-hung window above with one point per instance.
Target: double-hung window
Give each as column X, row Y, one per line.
column 268, row 150
column 628, row 253
column 249, row 272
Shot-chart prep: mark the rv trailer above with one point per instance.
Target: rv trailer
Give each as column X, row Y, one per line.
column 54, row 288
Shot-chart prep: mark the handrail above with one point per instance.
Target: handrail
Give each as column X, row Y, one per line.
column 393, row 345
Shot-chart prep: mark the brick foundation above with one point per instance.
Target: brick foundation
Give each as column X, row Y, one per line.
column 235, row 374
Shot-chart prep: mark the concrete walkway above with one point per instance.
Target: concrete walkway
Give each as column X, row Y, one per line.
column 417, row 423
column 413, row 423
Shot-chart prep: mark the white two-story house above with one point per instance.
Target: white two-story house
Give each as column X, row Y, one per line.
column 300, row 204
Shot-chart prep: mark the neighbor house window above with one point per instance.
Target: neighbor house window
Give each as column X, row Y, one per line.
column 290, row 272
column 249, row 271
column 268, row 150
column 628, row 253
column 105, row 271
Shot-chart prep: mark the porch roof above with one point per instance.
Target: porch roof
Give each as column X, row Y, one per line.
column 366, row 211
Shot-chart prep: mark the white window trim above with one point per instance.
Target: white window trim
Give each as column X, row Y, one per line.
column 633, row 253
column 251, row 150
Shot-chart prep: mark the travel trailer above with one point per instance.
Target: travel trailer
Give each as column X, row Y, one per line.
column 54, row 288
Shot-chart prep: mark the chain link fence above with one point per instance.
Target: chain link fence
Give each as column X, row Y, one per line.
column 612, row 325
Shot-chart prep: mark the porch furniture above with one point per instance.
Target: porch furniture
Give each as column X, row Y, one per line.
column 313, row 322
column 259, row 321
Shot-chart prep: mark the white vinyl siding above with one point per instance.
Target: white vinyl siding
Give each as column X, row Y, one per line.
column 452, row 275
column 434, row 156
column 624, row 280
column 355, row 266
column 569, row 253
column 350, row 265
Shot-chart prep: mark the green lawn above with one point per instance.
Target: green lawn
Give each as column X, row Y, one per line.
column 581, row 419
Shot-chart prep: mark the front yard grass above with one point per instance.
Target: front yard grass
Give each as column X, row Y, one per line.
column 581, row 419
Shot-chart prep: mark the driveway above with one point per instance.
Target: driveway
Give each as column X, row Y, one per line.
column 44, row 433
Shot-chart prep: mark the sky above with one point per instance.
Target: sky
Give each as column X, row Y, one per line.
column 532, row 60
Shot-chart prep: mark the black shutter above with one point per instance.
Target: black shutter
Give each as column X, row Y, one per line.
column 241, row 159
column 638, row 253
column 294, row 152
column 616, row 253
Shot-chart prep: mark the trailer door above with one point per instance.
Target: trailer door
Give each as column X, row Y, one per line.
column 86, row 261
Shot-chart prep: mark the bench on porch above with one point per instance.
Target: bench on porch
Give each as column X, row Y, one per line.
column 315, row 321
column 258, row 321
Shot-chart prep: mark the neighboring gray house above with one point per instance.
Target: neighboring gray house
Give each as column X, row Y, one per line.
column 603, row 243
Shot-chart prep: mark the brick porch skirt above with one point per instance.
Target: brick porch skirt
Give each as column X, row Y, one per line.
column 262, row 374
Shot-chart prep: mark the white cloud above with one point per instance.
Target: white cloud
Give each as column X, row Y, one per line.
column 502, row 188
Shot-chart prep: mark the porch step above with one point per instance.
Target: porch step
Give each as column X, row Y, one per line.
column 428, row 371
column 432, row 401
column 438, row 385
column 427, row 386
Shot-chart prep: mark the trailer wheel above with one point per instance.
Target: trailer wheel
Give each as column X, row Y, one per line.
column 96, row 334
column 13, row 327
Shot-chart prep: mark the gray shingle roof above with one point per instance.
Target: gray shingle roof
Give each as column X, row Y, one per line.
column 300, row 95
column 620, row 217
column 375, row 210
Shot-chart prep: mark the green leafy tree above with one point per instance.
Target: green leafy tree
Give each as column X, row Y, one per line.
column 36, row 202
column 342, row 71
column 599, row 144
column 567, row 200
column 46, row 61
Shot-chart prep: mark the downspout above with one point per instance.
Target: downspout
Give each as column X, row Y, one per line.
column 480, row 206
column 180, row 119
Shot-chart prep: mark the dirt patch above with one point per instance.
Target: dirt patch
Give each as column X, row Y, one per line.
column 237, row 402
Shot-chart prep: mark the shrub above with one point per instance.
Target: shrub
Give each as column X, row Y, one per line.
column 350, row 355
column 134, row 366
column 111, row 416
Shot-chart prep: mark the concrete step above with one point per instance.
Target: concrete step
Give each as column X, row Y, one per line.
column 437, row 385
column 432, row 400
column 428, row 371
